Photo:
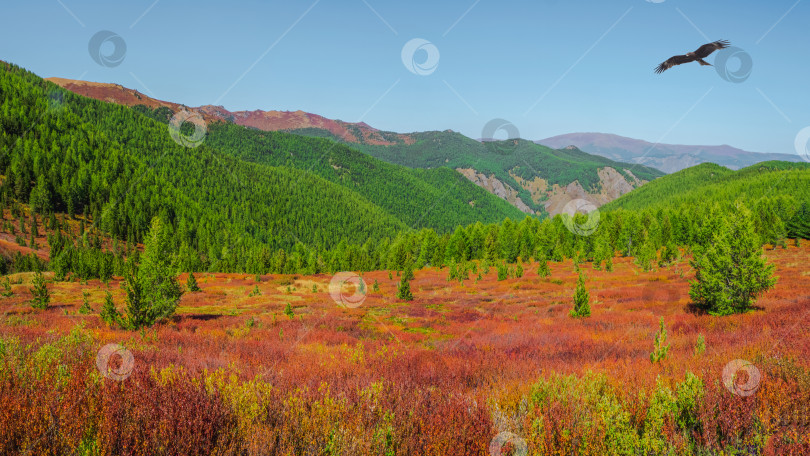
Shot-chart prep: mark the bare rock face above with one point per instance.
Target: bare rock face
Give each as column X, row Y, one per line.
column 496, row 187
column 612, row 185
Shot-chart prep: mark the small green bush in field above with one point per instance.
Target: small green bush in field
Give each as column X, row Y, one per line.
column 623, row 433
column 582, row 298
column 660, row 347
column 6, row 288
column 700, row 345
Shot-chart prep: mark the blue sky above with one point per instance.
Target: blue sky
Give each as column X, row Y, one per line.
column 549, row 67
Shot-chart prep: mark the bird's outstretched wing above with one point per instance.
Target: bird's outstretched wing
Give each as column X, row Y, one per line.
column 672, row 61
column 706, row 49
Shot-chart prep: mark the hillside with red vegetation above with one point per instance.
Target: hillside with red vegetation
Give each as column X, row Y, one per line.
column 273, row 365
column 262, row 120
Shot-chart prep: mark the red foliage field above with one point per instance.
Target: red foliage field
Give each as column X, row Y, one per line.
column 481, row 368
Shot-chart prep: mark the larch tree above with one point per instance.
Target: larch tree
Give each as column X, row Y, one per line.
column 730, row 271
column 151, row 286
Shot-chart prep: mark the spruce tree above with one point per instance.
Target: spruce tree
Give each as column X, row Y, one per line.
column 730, row 272
column 542, row 269
column 645, row 255
column 6, row 288
column 503, row 271
column 660, row 347
column 109, row 314
column 668, row 254
column 151, row 286
column 582, row 307
column 798, row 226
column 700, row 345
column 408, row 273
column 404, row 287
column 191, row 283
column 85, row 308
column 40, row 293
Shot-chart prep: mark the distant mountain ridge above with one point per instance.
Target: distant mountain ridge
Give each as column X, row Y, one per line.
column 533, row 178
column 668, row 158
column 261, row 120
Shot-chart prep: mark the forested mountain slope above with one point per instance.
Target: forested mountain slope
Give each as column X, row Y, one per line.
column 710, row 183
column 533, row 177
column 439, row 198
column 435, row 199
column 66, row 153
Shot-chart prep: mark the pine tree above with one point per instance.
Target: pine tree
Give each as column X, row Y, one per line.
column 730, row 272
column 407, row 274
column 543, row 270
column 700, row 345
column 582, row 307
column 404, row 287
column 85, row 308
column 191, row 283
column 503, row 271
column 645, row 255
column 798, row 226
column 668, row 254
column 6, row 288
column 151, row 286
column 40, row 293
column 660, row 347
column 105, row 268
column 109, row 314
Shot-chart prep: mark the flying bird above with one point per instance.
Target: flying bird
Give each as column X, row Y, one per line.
column 697, row 56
